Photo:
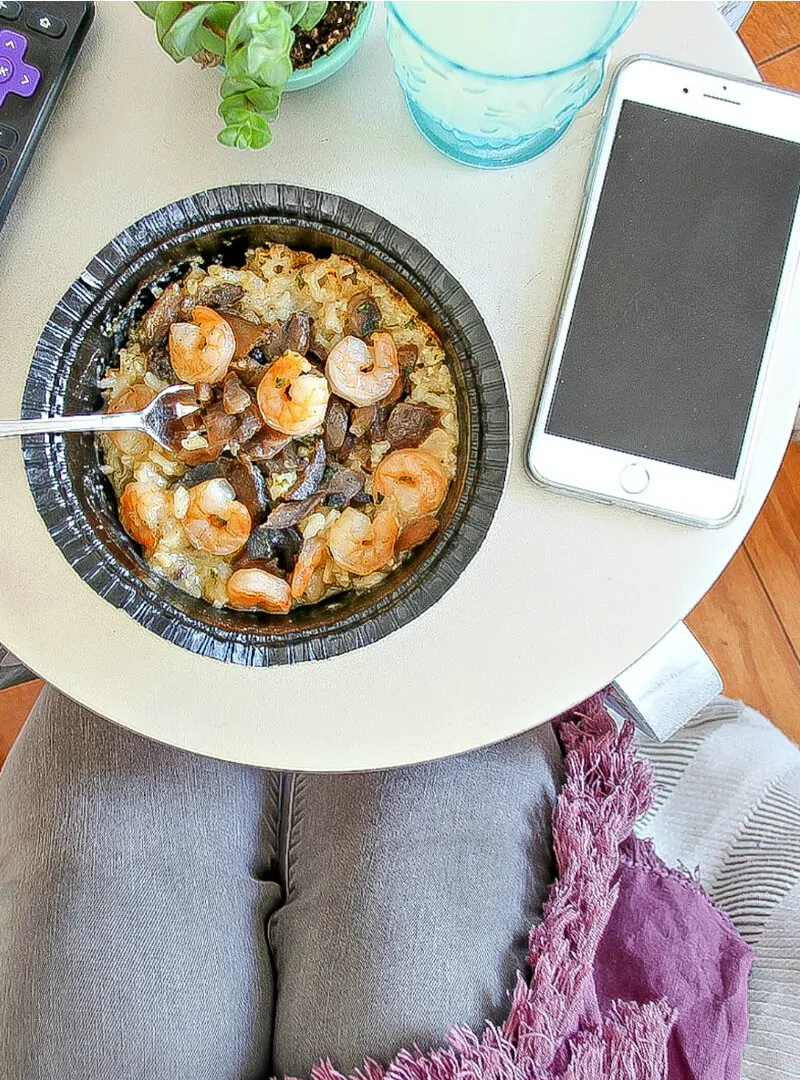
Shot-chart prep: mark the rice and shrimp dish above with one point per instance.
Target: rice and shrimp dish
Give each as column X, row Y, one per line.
column 324, row 445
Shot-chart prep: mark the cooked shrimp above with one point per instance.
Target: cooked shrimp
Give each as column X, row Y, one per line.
column 361, row 373
column 311, row 555
column 200, row 351
column 293, row 395
column 145, row 511
column 362, row 546
column 215, row 521
column 414, row 479
column 132, row 399
column 255, row 588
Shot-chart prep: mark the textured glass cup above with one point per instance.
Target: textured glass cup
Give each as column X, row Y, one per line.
column 495, row 83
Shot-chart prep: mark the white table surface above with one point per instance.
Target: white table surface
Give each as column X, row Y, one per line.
column 562, row 596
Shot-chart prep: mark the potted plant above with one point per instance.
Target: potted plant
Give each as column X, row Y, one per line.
column 263, row 48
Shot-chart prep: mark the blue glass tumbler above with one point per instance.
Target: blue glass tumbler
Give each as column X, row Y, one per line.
column 495, row 83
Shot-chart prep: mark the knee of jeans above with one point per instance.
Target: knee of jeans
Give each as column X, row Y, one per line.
column 61, row 783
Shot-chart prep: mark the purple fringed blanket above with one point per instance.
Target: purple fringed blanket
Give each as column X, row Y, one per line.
column 634, row 975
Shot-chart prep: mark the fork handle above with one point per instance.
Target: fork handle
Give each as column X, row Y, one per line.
column 47, row 425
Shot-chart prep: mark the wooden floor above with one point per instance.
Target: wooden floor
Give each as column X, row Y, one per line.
column 750, row 620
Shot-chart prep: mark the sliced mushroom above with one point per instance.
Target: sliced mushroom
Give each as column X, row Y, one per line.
column 247, row 334
column 158, row 318
column 197, row 455
column 251, row 423
column 287, row 545
column 215, row 294
column 377, row 429
column 363, row 315
column 208, row 470
column 362, row 419
column 362, row 452
column 250, row 486
column 159, row 363
column 235, row 398
column 347, row 447
column 296, row 333
column 249, row 370
column 177, row 428
column 317, row 353
column 204, row 392
column 257, row 345
column 243, row 562
column 337, row 419
column 342, row 481
column 265, row 444
column 282, row 545
column 272, row 345
column 312, row 477
column 220, row 426
column 416, row 533
column 395, row 393
column 407, row 356
column 283, row 461
column 410, row 424
column 369, row 420
column 292, row 513
column 259, row 544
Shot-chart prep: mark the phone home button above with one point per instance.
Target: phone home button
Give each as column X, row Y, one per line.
column 634, row 479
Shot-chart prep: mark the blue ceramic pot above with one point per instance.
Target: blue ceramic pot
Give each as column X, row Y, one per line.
column 338, row 56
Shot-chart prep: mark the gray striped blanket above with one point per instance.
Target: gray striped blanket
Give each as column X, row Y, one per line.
column 728, row 802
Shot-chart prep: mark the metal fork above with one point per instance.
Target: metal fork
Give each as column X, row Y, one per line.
column 156, row 419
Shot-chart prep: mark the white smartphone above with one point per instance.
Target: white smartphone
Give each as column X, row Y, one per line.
column 684, row 261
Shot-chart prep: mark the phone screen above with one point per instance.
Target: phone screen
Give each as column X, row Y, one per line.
column 677, row 291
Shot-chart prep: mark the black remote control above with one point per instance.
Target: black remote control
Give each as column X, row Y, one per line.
column 38, row 46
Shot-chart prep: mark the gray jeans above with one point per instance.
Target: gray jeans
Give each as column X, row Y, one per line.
column 165, row 916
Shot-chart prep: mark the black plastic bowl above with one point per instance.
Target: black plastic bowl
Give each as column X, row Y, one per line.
column 90, row 322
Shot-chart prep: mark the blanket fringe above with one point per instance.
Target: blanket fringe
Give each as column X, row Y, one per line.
column 606, row 788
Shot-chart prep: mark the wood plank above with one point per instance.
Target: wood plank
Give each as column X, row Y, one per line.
column 784, row 71
column 15, row 704
column 773, row 545
column 738, row 628
column 739, row 622
column 770, row 28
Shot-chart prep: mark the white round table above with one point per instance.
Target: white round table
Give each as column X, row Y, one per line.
column 563, row 595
